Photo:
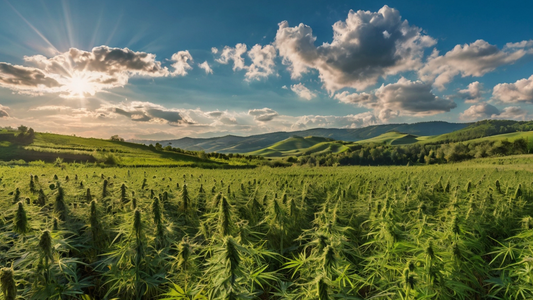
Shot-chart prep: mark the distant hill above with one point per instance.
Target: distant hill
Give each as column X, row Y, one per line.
column 295, row 146
column 240, row 144
column 495, row 130
column 481, row 129
column 392, row 138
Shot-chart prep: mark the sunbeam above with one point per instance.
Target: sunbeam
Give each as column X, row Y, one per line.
column 33, row 27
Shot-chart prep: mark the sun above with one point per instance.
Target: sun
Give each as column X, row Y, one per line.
column 78, row 85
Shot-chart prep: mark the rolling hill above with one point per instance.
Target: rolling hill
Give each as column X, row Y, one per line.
column 482, row 130
column 48, row 147
column 488, row 130
column 391, row 138
column 295, row 146
column 246, row 144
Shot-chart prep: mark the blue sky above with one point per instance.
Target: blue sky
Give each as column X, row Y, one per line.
column 168, row 69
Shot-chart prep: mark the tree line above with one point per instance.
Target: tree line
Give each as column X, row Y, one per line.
column 379, row 154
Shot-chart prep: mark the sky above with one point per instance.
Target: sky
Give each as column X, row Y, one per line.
column 171, row 69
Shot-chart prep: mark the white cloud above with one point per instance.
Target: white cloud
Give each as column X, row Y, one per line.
column 513, row 113
column 487, row 111
column 4, row 111
column 403, row 98
column 349, row 121
column 205, row 66
column 520, row 91
column 262, row 62
column 181, row 63
column 214, row 50
column 262, row 58
column 472, row 94
column 215, row 114
column 263, row 114
column 475, row 59
column 139, row 111
column 234, row 54
column 366, row 46
column 479, row 111
column 77, row 73
column 302, row 91
column 528, row 45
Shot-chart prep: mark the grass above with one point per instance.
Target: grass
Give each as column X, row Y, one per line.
column 392, row 138
column 399, row 232
column 47, row 147
column 296, row 146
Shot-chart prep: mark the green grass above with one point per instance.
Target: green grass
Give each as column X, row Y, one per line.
column 446, row 232
column 527, row 135
column 296, row 146
column 391, row 138
column 396, row 138
column 48, row 147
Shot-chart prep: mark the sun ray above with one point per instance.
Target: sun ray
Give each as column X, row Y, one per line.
column 114, row 29
column 68, row 23
column 33, row 27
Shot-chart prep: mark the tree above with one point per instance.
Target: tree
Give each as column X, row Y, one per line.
column 116, row 138
column 31, row 133
column 22, row 129
column 201, row 155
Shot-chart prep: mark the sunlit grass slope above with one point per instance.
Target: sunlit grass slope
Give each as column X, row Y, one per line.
column 47, row 147
column 295, row 146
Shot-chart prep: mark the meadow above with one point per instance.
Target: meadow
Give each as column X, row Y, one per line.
column 454, row 231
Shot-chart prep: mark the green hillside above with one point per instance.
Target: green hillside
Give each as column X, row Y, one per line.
column 296, row 146
column 511, row 137
column 391, row 138
column 487, row 129
column 48, row 147
column 481, row 129
column 248, row 144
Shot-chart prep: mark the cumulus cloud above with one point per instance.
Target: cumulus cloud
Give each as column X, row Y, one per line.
column 520, row 91
column 214, row 50
column 513, row 113
column 181, row 63
column 475, row 59
column 77, row 73
column 25, row 79
column 262, row 62
column 215, row 114
column 4, row 111
column 405, row 97
column 233, row 54
column 262, row 58
column 205, row 66
column 479, row 111
column 263, row 114
column 228, row 120
column 528, row 45
column 302, row 91
column 472, row 94
column 349, row 121
column 366, row 46
column 147, row 112
column 487, row 111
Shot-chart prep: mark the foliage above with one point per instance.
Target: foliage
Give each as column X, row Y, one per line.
column 452, row 231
